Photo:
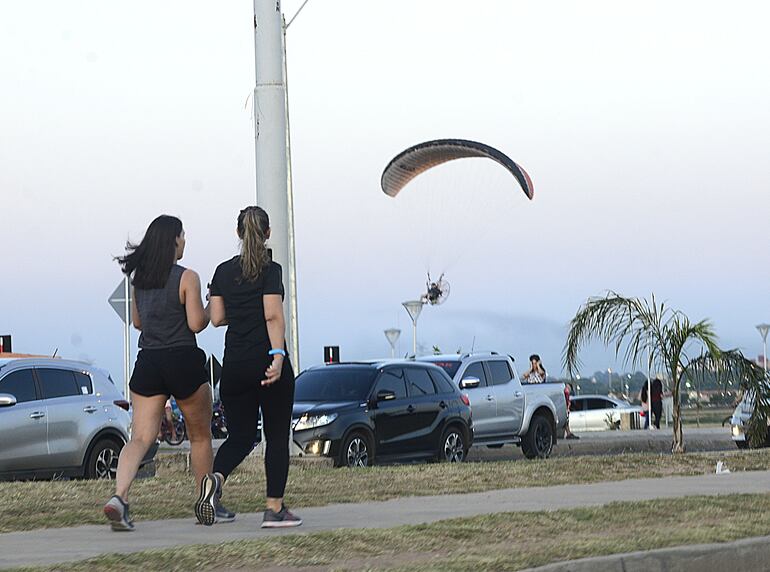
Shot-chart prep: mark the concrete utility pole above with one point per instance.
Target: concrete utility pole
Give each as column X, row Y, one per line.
column 271, row 132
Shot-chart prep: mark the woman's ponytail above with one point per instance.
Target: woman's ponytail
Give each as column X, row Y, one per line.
column 253, row 224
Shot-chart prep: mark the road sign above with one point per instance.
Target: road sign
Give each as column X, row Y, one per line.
column 331, row 354
column 118, row 301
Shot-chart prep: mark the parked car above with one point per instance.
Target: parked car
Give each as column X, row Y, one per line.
column 60, row 418
column 599, row 412
column 359, row 413
column 504, row 409
column 740, row 421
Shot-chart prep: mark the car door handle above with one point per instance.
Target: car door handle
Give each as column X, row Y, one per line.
column 410, row 409
column 442, row 405
column 490, row 398
column 518, row 394
column 90, row 409
column 36, row 415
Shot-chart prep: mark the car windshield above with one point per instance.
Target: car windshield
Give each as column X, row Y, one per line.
column 449, row 366
column 334, row 383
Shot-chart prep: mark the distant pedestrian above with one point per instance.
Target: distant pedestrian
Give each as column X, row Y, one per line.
column 568, row 391
column 168, row 311
column 536, row 372
column 247, row 296
column 656, row 401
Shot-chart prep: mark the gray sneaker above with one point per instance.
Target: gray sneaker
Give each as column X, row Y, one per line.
column 221, row 514
column 280, row 519
column 117, row 512
column 206, row 507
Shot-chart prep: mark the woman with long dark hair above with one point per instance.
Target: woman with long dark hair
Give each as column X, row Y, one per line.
column 247, row 295
column 168, row 311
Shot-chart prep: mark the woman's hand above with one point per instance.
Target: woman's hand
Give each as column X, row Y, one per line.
column 273, row 372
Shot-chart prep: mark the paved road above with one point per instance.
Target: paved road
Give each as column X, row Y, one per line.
column 60, row 545
column 617, row 442
column 591, row 443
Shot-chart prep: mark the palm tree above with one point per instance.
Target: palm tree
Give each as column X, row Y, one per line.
column 650, row 331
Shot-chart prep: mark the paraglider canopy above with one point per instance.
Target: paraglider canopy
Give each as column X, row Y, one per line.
column 417, row 159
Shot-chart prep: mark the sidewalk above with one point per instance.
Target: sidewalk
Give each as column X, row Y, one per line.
column 67, row 544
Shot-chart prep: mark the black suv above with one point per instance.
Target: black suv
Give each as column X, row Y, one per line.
column 356, row 412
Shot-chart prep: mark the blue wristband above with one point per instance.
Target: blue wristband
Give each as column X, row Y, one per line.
column 277, row 352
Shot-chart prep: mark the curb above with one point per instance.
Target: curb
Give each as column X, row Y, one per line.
column 747, row 554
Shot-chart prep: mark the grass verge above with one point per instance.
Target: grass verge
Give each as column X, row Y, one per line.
column 51, row 504
column 490, row 543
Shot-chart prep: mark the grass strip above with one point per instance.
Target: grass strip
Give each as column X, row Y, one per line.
column 506, row 541
column 53, row 504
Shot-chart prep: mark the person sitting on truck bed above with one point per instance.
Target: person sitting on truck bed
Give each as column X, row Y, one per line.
column 536, row 371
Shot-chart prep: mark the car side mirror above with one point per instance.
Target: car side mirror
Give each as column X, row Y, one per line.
column 6, row 400
column 470, row 383
column 385, row 395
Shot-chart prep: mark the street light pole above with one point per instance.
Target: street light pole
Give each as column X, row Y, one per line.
column 392, row 334
column 413, row 308
column 763, row 329
column 273, row 184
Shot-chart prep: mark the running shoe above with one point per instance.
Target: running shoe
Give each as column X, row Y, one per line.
column 205, row 508
column 280, row 519
column 221, row 514
column 117, row 512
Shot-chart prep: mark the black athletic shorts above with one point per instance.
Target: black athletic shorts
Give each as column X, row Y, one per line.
column 171, row 371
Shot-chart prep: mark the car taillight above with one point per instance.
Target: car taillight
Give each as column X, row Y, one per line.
column 122, row 403
column 465, row 399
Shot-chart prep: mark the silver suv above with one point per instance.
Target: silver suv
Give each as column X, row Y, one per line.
column 504, row 409
column 59, row 418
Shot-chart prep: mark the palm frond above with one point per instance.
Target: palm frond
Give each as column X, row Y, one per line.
column 732, row 366
column 616, row 321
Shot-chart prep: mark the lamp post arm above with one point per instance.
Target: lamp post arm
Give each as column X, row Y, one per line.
column 297, row 13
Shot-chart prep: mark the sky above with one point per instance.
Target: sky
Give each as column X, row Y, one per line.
column 642, row 124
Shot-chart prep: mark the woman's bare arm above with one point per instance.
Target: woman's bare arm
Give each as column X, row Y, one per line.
column 216, row 309
column 190, row 296
column 276, row 330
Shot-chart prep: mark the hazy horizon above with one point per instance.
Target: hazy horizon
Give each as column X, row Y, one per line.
column 643, row 125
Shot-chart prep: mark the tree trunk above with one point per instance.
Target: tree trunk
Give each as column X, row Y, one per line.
column 678, row 444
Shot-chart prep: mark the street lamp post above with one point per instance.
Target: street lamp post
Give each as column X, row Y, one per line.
column 413, row 308
column 392, row 334
column 609, row 380
column 763, row 329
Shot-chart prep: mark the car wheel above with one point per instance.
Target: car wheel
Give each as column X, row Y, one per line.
column 538, row 442
column 103, row 461
column 356, row 451
column 742, row 444
column 453, row 447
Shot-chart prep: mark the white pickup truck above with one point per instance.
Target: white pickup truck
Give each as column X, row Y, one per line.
column 505, row 410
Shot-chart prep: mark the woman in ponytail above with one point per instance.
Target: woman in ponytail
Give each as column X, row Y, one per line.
column 168, row 311
column 247, row 296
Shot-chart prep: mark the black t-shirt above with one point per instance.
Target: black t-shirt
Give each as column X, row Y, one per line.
column 247, row 335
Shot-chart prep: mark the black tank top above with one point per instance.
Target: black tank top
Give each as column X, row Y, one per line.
column 163, row 317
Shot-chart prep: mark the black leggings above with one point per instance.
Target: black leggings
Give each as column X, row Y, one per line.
column 242, row 396
column 657, row 410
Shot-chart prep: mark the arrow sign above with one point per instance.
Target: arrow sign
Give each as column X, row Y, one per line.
column 118, row 301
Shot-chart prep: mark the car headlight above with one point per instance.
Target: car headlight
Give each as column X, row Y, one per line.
column 313, row 421
column 737, row 430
